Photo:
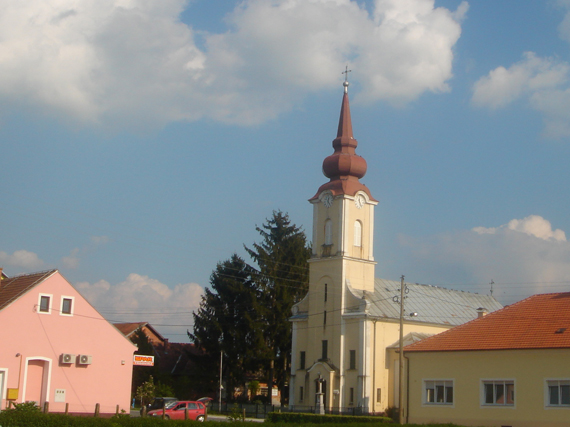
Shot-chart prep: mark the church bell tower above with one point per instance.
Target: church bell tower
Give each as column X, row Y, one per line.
column 343, row 214
column 331, row 345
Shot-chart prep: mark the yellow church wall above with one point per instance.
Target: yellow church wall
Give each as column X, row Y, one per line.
column 343, row 214
column 311, row 343
column 528, row 369
column 360, row 274
column 321, row 215
column 387, row 333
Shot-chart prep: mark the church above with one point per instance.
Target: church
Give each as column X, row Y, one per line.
column 346, row 330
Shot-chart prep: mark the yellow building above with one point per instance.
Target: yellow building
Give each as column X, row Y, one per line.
column 509, row 368
column 346, row 327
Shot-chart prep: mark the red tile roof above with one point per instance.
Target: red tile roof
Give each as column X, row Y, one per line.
column 128, row 328
column 12, row 288
column 538, row 322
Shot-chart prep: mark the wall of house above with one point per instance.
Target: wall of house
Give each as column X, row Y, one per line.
column 528, row 369
column 33, row 344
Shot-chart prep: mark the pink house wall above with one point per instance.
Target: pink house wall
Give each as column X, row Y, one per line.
column 32, row 343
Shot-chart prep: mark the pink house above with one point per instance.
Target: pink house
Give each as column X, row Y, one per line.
column 56, row 348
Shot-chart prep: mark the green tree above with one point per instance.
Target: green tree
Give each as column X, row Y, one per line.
column 253, row 388
column 146, row 392
column 281, row 276
column 227, row 321
column 163, row 390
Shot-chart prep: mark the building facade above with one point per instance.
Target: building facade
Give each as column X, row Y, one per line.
column 345, row 328
column 509, row 368
column 57, row 349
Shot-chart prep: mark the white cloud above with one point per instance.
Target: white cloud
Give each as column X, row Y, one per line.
column 523, row 257
column 100, row 240
column 532, row 75
column 542, row 82
column 564, row 27
column 533, row 225
column 132, row 62
column 74, row 258
column 71, row 261
column 143, row 299
column 555, row 107
column 22, row 259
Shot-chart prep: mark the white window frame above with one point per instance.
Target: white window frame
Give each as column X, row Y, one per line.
column 444, row 382
column 548, row 382
column 63, row 297
column 50, row 305
column 497, row 381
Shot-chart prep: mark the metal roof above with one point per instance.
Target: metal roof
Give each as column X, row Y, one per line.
column 432, row 304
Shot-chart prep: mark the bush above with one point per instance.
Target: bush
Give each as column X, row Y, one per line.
column 25, row 407
column 39, row 419
column 301, row 418
column 236, row 414
column 262, row 399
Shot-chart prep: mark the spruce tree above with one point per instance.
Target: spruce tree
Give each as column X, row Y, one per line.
column 281, row 276
column 227, row 321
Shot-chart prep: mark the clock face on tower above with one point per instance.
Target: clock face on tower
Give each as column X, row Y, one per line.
column 328, row 200
column 359, row 201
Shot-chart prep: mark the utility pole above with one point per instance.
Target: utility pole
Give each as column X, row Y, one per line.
column 401, row 370
column 220, row 399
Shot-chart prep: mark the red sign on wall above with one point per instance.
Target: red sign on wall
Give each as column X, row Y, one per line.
column 143, row 360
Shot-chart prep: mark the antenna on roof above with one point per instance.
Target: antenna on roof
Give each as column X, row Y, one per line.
column 492, row 283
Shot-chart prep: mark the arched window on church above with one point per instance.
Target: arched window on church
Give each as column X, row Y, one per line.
column 328, row 232
column 357, row 233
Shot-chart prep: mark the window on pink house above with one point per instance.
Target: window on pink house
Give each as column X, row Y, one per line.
column 66, row 305
column 44, row 304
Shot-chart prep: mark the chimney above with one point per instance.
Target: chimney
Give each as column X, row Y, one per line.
column 481, row 312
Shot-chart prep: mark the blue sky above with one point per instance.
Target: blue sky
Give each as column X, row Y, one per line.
column 143, row 140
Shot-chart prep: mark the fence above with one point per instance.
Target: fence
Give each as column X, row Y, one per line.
column 261, row 410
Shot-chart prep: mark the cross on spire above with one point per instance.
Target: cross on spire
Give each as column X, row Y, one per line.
column 345, row 84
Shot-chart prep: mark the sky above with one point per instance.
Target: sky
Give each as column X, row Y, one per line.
column 142, row 141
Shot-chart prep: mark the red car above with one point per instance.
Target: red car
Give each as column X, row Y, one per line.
column 176, row 410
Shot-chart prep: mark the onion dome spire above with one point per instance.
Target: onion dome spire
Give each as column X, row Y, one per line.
column 344, row 167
